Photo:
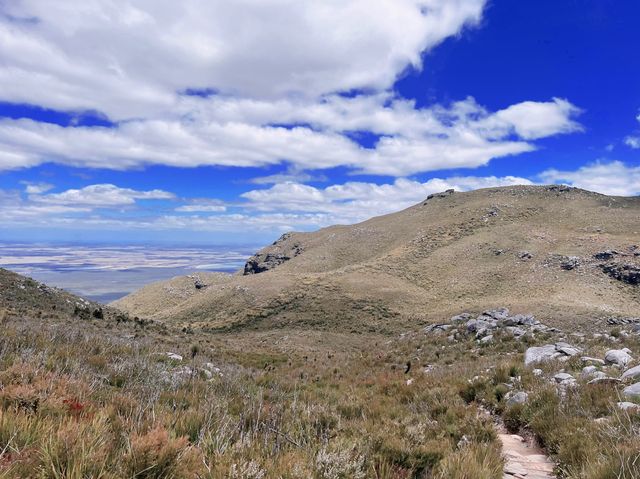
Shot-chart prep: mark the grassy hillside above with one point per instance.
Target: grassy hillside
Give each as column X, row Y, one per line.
column 529, row 248
column 110, row 399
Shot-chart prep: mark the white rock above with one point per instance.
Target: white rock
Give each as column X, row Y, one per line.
column 619, row 357
column 632, row 373
column 626, row 406
column 486, row 340
column 537, row 354
column 562, row 377
column 518, row 398
column 174, row 356
column 569, row 350
column 632, row 391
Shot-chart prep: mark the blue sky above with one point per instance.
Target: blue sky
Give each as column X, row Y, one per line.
column 217, row 122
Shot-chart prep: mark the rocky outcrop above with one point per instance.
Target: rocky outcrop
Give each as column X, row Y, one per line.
column 627, row 273
column 444, row 194
column 279, row 252
column 570, row 262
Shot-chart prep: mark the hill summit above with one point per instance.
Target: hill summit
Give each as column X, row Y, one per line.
column 560, row 253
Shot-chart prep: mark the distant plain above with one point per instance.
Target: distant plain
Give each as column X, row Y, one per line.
column 105, row 273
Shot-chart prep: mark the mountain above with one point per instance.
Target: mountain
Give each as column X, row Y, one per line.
column 563, row 254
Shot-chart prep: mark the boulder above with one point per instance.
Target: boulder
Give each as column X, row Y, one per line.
column 569, row 350
column 500, row 313
column 526, row 320
column 588, row 371
column 628, row 406
column 486, row 340
column 444, row 194
column 482, row 332
column 560, row 351
column 516, row 331
column 605, row 255
column 461, row 318
column 174, row 356
column 569, row 263
column 518, row 398
column 632, row 373
column 538, row 354
column 632, row 391
column 618, row 357
column 627, row 273
column 474, row 325
column 563, row 377
column 437, row 328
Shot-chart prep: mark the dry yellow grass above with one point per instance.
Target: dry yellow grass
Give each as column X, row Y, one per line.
column 425, row 263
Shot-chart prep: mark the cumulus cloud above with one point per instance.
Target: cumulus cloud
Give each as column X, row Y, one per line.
column 236, row 132
column 36, row 188
column 532, row 120
column 140, row 54
column 282, row 207
column 248, row 84
column 356, row 201
column 103, row 195
column 632, row 142
column 609, row 178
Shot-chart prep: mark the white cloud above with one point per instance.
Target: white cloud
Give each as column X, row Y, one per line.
column 271, row 62
column 238, row 132
column 356, row 201
column 36, row 188
column 532, row 120
column 139, row 54
column 632, row 141
column 283, row 207
column 609, row 178
column 203, row 206
column 103, row 195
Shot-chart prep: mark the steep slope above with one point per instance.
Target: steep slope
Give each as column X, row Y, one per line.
column 21, row 296
column 561, row 253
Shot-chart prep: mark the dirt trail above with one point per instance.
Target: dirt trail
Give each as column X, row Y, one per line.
column 523, row 459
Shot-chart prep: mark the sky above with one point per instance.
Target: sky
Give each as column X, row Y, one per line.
column 217, row 122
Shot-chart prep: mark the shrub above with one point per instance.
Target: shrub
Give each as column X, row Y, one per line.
column 155, row 455
column 475, row 461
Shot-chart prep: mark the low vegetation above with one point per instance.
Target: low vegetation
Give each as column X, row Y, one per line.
column 75, row 404
column 102, row 398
